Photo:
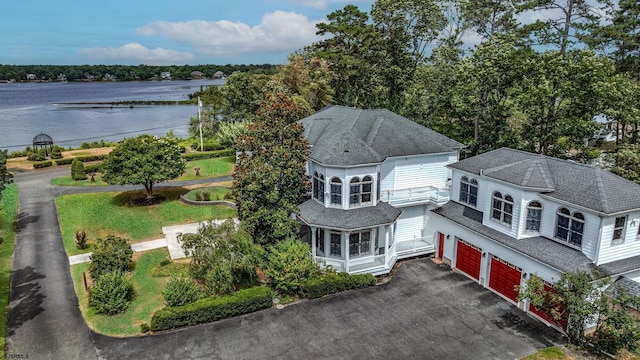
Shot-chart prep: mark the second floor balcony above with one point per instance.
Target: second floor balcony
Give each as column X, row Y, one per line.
column 415, row 195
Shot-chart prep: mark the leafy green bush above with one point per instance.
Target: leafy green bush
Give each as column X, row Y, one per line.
column 42, row 164
column 332, row 282
column 112, row 254
column 65, row 161
column 77, row 170
column 111, row 294
column 220, row 280
column 91, row 168
column 208, row 155
column 208, row 145
column 211, row 309
column 56, row 153
column 180, row 291
column 81, row 239
column 290, row 264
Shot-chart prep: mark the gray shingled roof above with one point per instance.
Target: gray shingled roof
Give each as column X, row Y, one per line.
column 549, row 252
column 627, row 284
column 342, row 136
column 586, row 186
column 313, row 213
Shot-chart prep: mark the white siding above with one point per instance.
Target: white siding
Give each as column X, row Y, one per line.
column 488, row 220
column 410, row 224
column 489, row 247
column 415, row 171
column 631, row 245
column 455, row 187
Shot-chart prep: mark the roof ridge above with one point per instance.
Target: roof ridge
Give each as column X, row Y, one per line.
column 601, row 191
column 374, row 129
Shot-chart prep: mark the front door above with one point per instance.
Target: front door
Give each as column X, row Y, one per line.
column 440, row 245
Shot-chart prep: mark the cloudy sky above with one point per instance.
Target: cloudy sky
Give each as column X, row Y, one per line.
column 160, row 32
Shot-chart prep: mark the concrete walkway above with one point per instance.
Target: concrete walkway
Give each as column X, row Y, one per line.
column 170, row 241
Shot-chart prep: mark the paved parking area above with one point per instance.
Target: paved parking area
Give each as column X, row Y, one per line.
column 425, row 312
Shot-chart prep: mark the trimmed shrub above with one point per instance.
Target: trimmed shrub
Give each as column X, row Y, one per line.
column 65, row 161
column 112, row 254
column 208, row 155
column 220, row 280
column 93, row 168
column 180, row 291
column 330, row 283
column 56, row 153
column 42, row 164
column 111, row 294
column 208, row 145
column 212, row 309
column 77, row 170
column 290, row 264
column 81, row 239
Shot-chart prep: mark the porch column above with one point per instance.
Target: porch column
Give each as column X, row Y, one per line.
column 313, row 242
column 386, row 245
column 346, row 251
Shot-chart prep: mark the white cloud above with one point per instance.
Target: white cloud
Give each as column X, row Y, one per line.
column 323, row 4
column 140, row 54
column 279, row 32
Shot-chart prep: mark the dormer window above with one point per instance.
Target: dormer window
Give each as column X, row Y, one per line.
column 534, row 217
column 318, row 187
column 502, row 208
column 468, row 191
column 569, row 227
column 336, row 191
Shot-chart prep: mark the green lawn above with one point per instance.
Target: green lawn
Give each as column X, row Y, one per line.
column 8, row 213
column 209, row 168
column 114, row 213
column 148, row 297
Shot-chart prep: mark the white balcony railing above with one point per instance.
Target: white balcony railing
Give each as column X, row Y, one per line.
column 413, row 195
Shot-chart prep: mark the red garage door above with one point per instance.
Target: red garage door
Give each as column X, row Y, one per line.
column 468, row 259
column 546, row 316
column 504, row 277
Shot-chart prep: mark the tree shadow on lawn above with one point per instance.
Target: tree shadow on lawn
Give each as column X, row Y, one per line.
column 138, row 198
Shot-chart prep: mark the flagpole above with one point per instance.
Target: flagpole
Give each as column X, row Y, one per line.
column 200, row 121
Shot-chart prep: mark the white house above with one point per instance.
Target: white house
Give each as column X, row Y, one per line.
column 376, row 176
column 513, row 214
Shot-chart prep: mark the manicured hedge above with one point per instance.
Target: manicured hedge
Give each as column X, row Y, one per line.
column 335, row 282
column 207, row 146
column 211, row 309
column 67, row 161
column 208, row 154
column 93, row 168
column 42, row 164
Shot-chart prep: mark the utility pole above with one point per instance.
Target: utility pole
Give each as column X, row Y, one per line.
column 200, row 121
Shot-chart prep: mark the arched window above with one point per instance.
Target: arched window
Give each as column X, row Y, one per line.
column 336, row 191
column 354, row 191
column 502, row 208
column 468, row 191
column 534, row 216
column 367, row 183
column 318, row 187
column 569, row 227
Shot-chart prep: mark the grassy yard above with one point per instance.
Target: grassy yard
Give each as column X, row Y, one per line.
column 8, row 214
column 148, row 296
column 209, row 168
column 114, row 213
column 215, row 193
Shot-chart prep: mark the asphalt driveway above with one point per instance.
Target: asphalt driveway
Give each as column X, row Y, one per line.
column 425, row 312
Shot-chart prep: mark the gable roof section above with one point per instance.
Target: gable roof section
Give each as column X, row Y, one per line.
column 343, row 136
column 583, row 185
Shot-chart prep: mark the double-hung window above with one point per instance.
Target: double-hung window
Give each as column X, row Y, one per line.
column 502, row 208
column 318, row 187
column 468, row 191
column 569, row 227
column 618, row 230
column 359, row 243
column 534, row 217
column 336, row 191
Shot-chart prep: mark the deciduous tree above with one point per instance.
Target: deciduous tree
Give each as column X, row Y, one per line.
column 143, row 160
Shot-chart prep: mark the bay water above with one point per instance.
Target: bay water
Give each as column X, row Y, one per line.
column 56, row 109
